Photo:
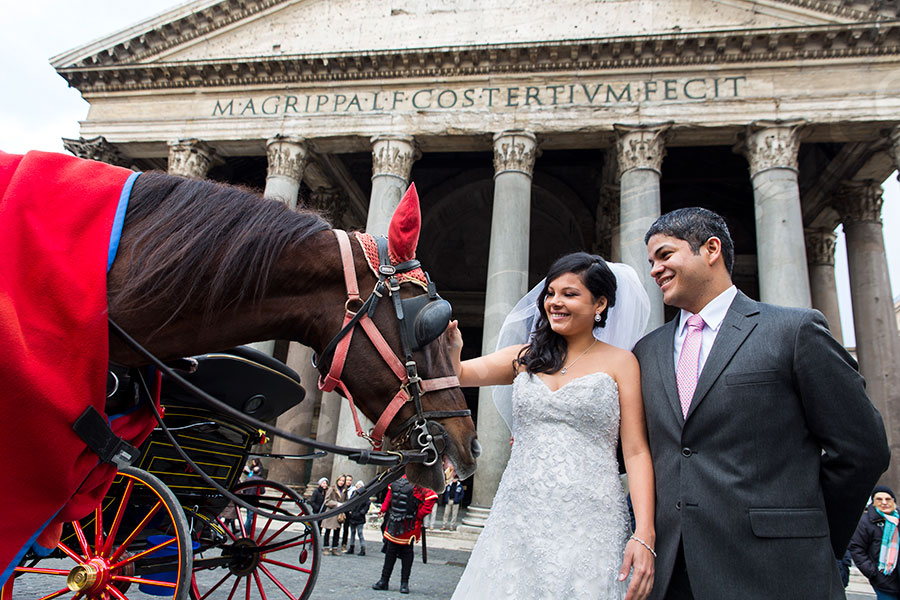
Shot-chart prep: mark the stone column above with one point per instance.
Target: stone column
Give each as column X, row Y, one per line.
column 190, row 158
column 507, row 281
column 326, row 432
column 641, row 149
column 298, row 420
column 771, row 148
column 392, row 160
column 823, row 290
column 877, row 343
column 287, row 158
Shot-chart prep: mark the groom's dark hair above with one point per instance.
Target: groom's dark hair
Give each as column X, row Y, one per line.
column 695, row 225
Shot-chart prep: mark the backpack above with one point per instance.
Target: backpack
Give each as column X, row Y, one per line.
column 403, row 509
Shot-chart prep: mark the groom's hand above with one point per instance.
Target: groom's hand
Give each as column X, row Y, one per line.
column 640, row 562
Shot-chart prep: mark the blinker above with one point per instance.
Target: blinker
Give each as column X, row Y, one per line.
column 426, row 318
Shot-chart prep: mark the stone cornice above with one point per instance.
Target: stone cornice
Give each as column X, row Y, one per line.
column 649, row 51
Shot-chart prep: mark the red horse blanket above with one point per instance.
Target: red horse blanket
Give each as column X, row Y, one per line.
column 58, row 215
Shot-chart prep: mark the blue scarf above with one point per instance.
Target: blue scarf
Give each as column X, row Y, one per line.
column 887, row 558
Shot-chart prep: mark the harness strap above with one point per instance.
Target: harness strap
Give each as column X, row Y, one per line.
column 347, row 262
column 402, row 397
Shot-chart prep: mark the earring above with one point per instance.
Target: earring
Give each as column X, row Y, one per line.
column 597, row 317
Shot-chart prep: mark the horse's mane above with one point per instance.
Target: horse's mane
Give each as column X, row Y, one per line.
column 202, row 244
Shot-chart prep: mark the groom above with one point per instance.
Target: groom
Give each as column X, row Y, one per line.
column 765, row 445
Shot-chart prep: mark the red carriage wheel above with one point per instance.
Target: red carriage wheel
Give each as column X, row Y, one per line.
column 136, row 545
column 263, row 558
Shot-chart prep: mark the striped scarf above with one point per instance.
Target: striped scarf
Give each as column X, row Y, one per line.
column 887, row 559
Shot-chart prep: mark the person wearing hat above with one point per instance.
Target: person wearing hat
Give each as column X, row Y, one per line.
column 874, row 546
column 317, row 500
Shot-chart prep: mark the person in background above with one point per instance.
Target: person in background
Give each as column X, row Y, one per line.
column 345, row 524
column 453, row 495
column 334, row 498
column 406, row 506
column 357, row 520
column 874, row 545
column 317, row 500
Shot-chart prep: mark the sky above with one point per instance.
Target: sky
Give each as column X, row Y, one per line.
column 37, row 108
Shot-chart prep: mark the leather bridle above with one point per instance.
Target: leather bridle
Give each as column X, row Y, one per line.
column 429, row 436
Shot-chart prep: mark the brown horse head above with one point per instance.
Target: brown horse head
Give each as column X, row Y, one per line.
column 203, row 267
column 424, row 321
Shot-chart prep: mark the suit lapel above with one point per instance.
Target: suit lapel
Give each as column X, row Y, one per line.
column 739, row 322
column 666, row 361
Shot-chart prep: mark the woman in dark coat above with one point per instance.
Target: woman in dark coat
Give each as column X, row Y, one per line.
column 874, row 546
column 317, row 500
column 357, row 520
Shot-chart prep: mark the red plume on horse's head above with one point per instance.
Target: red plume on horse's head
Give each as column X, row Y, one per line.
column 403, row 232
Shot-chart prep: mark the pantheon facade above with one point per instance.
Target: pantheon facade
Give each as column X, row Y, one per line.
column 531, row 128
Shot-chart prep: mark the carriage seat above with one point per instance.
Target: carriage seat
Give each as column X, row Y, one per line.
column 244, row 378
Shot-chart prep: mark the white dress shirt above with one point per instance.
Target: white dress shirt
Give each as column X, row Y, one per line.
column 712, row 314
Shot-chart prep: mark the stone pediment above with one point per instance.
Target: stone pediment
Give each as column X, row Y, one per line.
column 209, row 42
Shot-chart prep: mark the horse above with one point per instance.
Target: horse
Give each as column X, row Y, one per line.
column 203, row 266
column 187, row 267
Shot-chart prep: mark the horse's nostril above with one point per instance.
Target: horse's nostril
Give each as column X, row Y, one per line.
column 476, row 448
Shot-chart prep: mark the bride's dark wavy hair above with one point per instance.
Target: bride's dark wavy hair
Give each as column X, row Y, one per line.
column 547, row 351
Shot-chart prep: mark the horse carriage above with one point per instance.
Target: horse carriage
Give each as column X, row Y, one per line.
column 197, row 267
column 161, row 531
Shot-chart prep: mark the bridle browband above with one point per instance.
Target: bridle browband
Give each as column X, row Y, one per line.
column 426, row 328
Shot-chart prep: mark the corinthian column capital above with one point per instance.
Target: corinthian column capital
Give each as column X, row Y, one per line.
column 394, row 155
column 96, row 148
column 820, row 245
column 859, row 201
column 514, row 150
column 287, row 156
column 895, row 149
column 190, row 158
column 640, row 146
column 771, row 145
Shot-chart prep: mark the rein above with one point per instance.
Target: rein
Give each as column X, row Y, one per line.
column 418, row 428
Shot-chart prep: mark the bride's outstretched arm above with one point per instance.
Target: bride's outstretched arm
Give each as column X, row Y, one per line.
column 639, row 552
column 495, row 368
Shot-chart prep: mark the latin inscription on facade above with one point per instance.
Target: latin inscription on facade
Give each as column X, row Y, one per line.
column 697, row 89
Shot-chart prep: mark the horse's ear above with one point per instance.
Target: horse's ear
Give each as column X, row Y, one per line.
column 403, row 232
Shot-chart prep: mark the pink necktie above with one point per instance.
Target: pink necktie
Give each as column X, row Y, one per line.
column 689, row 362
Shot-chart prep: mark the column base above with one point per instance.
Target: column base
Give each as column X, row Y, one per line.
column 475, row 518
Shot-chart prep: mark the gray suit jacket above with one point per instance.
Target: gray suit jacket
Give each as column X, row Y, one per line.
column 766, row 478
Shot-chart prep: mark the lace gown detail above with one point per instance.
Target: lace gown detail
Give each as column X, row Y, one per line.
column 559, row 523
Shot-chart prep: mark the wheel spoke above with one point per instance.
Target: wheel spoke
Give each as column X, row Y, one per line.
column 215, row 587
column 70, row 553
column 285, row 565
column 115, row 592
column 269, row 522
column 262, row 592
column 120, row 512
column 237, row 580
column 63, row 572
column 146, row 552
column 137, row 530
column 274, row 535
column 82, row 540
column 144, row 580
column 98, row 528
column 278, row 583
column 226, row 528
column 56, row 594
column 290, row 545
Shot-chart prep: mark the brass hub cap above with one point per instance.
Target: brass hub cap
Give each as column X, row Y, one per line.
column 82, row 577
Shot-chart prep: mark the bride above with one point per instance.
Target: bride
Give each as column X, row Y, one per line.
column 559, row 526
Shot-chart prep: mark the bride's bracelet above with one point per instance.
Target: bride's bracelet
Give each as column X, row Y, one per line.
column 644, row 544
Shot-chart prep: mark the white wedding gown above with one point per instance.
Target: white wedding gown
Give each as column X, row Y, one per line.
column 559, row 522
